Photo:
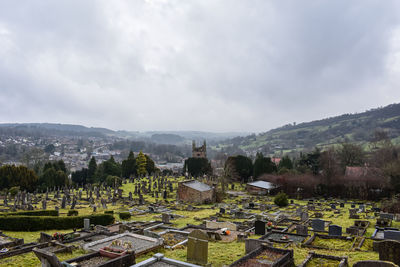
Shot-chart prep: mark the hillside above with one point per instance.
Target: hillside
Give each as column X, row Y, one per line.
column 357, row 128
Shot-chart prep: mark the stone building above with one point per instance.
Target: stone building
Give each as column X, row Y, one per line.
column 195, row 192
column 199, row 152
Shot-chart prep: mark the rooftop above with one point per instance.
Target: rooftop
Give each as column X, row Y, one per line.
column 263, row 184
column 197, row 185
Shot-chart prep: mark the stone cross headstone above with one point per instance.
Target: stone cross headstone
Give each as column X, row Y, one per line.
column 259, row 227
column 335, row 230
column 318, row 225
column 197, row 247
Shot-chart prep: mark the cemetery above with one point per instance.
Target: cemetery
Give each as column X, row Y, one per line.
column 150, row 221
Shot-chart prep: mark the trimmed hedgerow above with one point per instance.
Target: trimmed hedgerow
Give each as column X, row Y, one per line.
column 32, row 213
column 72, row 213
column 37, row 223
column 108, row 212
column 124, row 215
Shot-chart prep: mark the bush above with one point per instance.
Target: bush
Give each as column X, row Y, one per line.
column 72, row 213
column 124, row 215
column 281, row 199
column 37, row 223
column 32, row 213
column 108, row 212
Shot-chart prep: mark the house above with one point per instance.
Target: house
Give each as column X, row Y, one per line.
column 261, row 188
column 195, row 191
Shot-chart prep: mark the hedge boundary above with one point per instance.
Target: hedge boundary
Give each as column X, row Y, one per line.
column 37, row 223
column 32, row 213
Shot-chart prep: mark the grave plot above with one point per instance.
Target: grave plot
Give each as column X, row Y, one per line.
column 138, row 243
column 314, row 259
column 98, row 260
column 359, row 228
column 330, row 242
column 280, row 237
column 158, row 260
column 7, row 241
column 266, row 256
column 379, row 233
column 174, row 238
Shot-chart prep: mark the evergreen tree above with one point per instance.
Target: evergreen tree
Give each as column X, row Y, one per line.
column 141, row 164
column 91, row 170
column 263, row 165
column 285, row 162
column 129, row 165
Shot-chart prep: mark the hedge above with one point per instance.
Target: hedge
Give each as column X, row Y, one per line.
column 124, row 215
column 32, row 213
column 108, row 212
column 72, row 213
column 37, row 223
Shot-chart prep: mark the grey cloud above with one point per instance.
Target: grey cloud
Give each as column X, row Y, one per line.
column 199, row 65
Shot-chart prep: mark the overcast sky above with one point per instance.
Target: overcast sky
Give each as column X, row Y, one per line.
column 206, row 65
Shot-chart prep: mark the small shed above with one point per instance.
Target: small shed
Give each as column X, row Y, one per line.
column 195, row 191
column 261, row 188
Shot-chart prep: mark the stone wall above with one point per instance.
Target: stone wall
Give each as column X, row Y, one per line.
column 188, row 194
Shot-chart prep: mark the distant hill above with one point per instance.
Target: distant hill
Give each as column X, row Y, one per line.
column 159, row 137
column 292, row 138
column 49, row 129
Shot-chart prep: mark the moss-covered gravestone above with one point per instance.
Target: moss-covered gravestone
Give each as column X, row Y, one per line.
column 197, row 247
column 389, row 250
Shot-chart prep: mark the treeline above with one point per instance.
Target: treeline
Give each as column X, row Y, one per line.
column 346, row 170
column 50, row 174
column 54, row 174
column 112, row 172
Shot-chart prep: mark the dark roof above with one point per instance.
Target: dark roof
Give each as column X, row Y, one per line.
column 263, row 185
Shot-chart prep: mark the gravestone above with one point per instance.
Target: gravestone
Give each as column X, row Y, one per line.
column 333, row 206
column 165, row 217
column 44, row 204
column 197, row 247
column 391, row 234
column 259, row 227
column 301, row 229
column 73, row 203
column 86, row 224
column 318, row 225
column 388, row 250
column 304, row 216
column 335, row 230
column 63, row 202
column 386, row 216
column 47, row 258
column 222, row 210
column 353, row 206
column 342, row 205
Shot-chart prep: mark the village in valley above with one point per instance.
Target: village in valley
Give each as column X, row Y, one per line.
column 182, row 220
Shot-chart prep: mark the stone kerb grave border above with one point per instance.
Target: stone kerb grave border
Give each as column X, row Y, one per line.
column 309, row 242
column 343, row 261
column 285, row 260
